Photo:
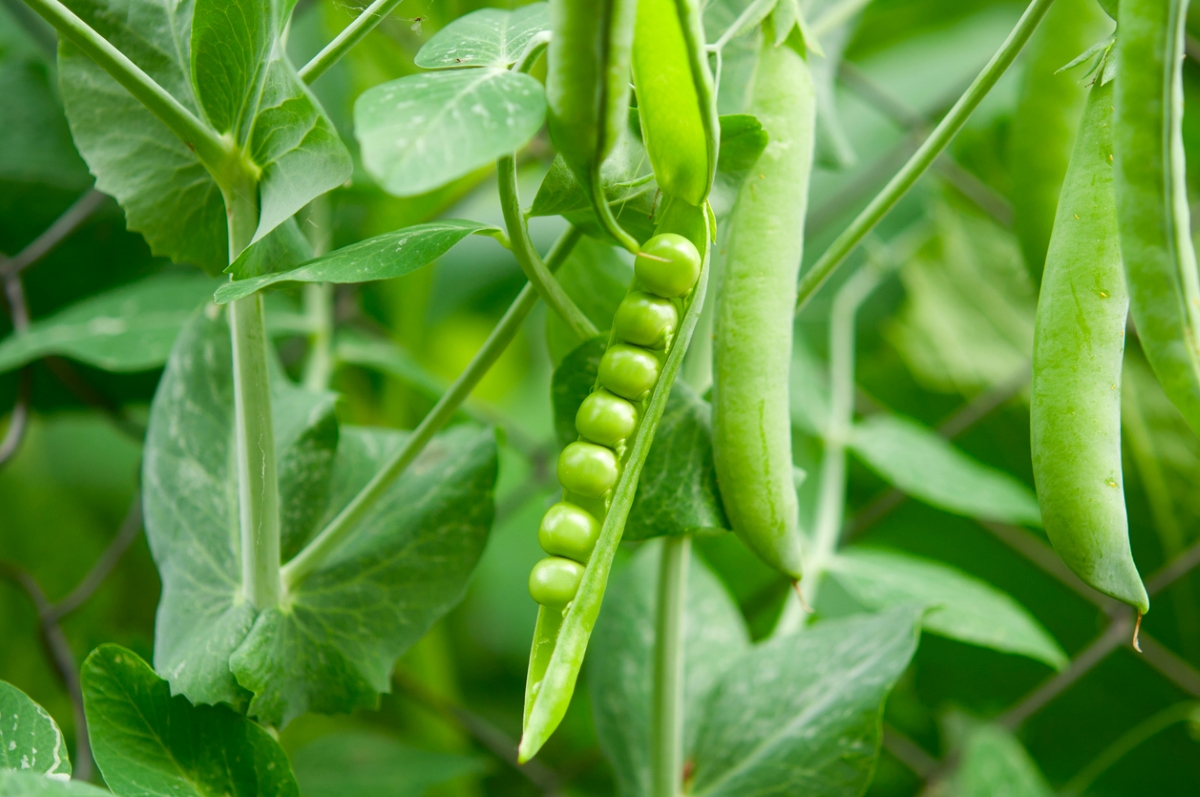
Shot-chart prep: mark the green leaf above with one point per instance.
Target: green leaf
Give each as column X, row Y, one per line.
column 678, row 492
column 150, row 744
column 190, row 500
column 29, row 738
column 422, row 131
column 487, row 37
column 167, row 195
column 596, row 276
column 285, row 248
column 382, row 257
column 994, row 764
column 802, row 714
column 918, row 461
column 960, row 606
column 573, row 379
column 35, row 144
column 371, row 763
column 407, row 563
column 620, row 674
column 131, row 328
column 743, row 140
column 15, row 783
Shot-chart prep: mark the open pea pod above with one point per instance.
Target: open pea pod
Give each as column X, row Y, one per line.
column 562, row 632
column 1152, row 204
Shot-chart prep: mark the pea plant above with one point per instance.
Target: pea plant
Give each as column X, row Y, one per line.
column 285, row 226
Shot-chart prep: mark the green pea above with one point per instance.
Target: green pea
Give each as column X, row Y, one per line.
column 606, row 419
column 568, row 531
column 668, row 265
column 1079, row 340
column 554, row 581
column 645, row 320
column 587, row 469
column 628, row 371
column 752, row 448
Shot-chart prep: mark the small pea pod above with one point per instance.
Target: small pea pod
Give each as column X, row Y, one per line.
column 1152, row 202
column 1079, row 340
column 676, row 102
column 599, row 472
column 754, row 315
column 1047, row 118
column 587, row 90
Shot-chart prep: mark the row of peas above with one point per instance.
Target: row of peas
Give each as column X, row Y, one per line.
column 665, row 270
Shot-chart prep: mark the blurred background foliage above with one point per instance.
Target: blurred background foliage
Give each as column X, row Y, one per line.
column 952, row 325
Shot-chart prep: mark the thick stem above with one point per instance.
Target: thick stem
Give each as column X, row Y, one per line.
column 666, row 719
column 332, row 535
column 351, row 35
column 924, row 157
column 217, row 154
column 318, row 307
column 531, row 263
column 258, row 483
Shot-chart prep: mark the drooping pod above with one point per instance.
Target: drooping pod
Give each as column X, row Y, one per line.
column 1079, row 341
column 599, row 471
column 754, row 315
column 676, row 102
column 587, row 90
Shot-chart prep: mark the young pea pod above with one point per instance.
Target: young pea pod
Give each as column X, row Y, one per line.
column 676, row 102
column 1152, row 202
column 587, row 90
column 1079, row 340
column 754, row 315
column 599, row 472
column 1047, row 118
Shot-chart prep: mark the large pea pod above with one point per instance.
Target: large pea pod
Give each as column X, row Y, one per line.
column 587, row 90
column 599, row 471
column 1152, row 203
column 676, row 102
column 754, row 315
column 1047, row 118
column 1078, row 343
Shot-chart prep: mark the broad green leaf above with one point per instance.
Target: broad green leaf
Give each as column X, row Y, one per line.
column 678, row 492
column 166, row 193
column 190, row 500
column 382, row 257
column 148, row 743
column 916, row 460
column 802, row 714
column 35, row 144
column 487, row 37
column 15, row 783
column 960, row 606
column 404, row 566
column 573, row 379
column 596, row 276
column 372, row 763
column 422, row 131
column 29, row 737
column 285, row 248
column 621, row 664
column 131, row 328
column 994, row 764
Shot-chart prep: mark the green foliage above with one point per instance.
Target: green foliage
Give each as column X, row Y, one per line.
column 362, row 762
column 29, row 738
column 487, row 37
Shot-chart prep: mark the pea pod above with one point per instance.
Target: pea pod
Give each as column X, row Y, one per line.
column 599, row 472
column 754, row 315
column 1152, row 203
column 676, row 102
column 1079, row 340
column 587, row 90
column 1046, row 121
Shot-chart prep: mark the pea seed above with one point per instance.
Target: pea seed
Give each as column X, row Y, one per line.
column 668, row 265
column 568, row 531
column 587, row 469
column 605, row 419
column 554, row 581
column 628, row 371
column 645, row 320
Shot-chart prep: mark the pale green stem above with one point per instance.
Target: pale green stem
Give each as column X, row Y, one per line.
column 332, row 535
column 531, row 263
column 351, row 35
column 924, row 157
column 258, row 483
column 318, row 307
column 218, row 154
column 666, row 719
column 1156, row 723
